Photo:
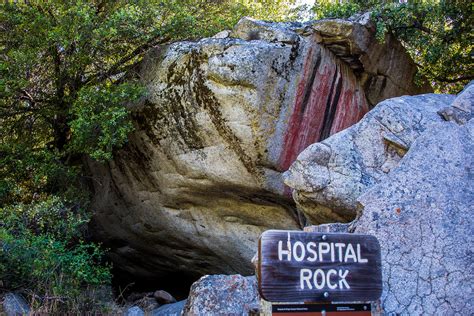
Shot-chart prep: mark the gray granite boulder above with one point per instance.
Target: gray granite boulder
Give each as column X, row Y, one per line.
column 174, row 309
column 223, row 295
column 462, row 109
column 200, row 178
column 329, row 176
column 418, row 202
column 134, row 311
column 422, row 215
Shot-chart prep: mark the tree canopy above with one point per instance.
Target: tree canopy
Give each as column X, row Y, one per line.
column 66, row 68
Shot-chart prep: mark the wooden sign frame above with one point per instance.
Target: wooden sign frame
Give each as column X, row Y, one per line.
column 297, row 266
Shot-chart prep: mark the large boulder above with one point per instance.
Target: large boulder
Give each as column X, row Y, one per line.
column 329, row 176
column 422, row 215
column 420, row 211
column 200, row 178
column 223, row 295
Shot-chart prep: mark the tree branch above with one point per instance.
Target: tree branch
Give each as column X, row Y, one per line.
column 136, row 52
column 454, row 80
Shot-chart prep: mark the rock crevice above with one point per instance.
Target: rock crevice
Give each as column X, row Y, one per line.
column 418, row 202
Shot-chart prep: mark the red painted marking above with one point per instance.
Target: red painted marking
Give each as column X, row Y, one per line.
column 351, row 107
column 306, row 122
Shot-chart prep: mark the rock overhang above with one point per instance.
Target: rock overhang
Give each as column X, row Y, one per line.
column 200, row 177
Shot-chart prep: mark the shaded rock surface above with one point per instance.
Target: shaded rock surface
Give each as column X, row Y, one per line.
column 200, row 178
column 421, row 211
column 174, row 309
column 223, row 295
column 134, row 311
column 15, row 305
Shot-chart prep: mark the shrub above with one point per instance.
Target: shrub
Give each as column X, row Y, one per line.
column 42, row 254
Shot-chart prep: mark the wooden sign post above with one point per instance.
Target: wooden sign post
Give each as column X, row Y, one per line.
column 296, row 266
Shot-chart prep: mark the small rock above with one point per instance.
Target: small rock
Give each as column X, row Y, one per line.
column 164, row 297
column 222, row 34
column 134, row 311
column 174, row 309
column 465, row 99
column 14, row 304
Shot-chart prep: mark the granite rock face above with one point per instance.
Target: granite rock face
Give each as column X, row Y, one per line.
column 422, row 215
column 462, row 109
column 174, row 309
column 134, row 311
column 329, row 176
column 200, row 178
column 420, row 211
column 223, row 295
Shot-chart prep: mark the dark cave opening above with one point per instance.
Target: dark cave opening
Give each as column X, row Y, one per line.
column 176, row 283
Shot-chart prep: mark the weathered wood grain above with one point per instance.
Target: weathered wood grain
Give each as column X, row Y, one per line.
column 280, row 280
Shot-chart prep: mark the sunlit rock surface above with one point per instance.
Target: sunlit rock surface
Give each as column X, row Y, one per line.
column 200, row 178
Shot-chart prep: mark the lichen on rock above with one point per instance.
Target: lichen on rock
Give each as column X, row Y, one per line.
column 201, row 176
column 418, row 202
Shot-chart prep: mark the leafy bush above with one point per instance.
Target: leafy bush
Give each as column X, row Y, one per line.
column 327, row 10
column 101, row 119
column 42, row 253
column 30, row 173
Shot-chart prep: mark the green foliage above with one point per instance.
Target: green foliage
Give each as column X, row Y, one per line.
column 67, row 75
column 27, row 173
column 67, row 81
column 332, row 9
column 271, row 10
column 437, row 34
column 98, row 126
column 41, row 250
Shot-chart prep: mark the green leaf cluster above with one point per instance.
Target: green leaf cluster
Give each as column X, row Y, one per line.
column 68, row 79
column 42, row 250
column 101, row 118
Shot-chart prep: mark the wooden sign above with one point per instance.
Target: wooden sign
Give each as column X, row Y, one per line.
column 296, row 266
column 321, row 310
